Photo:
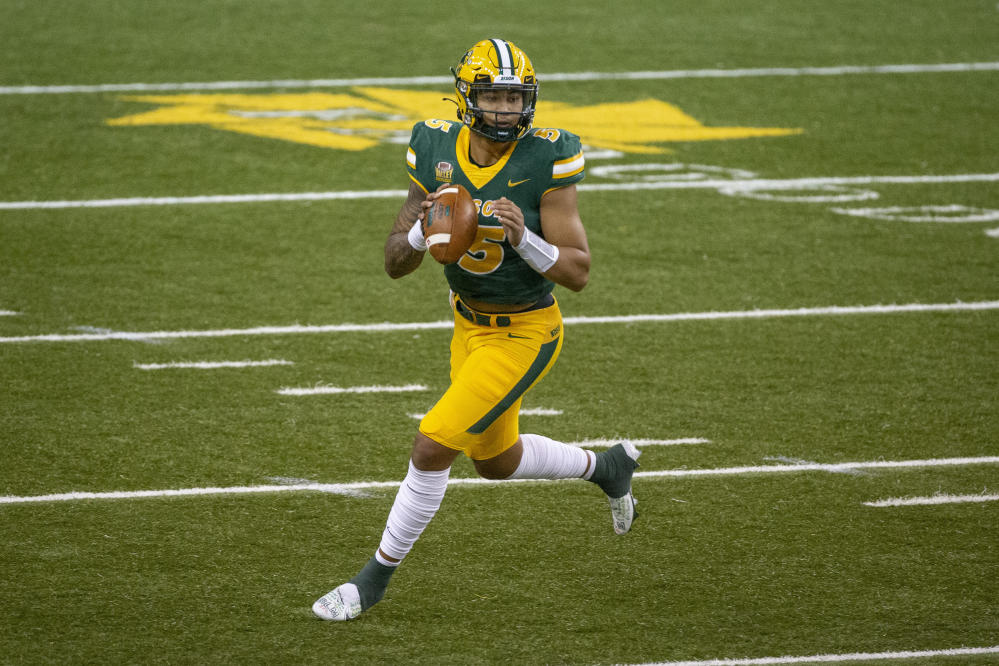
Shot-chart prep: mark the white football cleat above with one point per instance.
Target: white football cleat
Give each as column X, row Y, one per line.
column 340, row 605
column 623, row 512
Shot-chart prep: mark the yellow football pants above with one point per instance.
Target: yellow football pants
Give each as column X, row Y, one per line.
column 495, row 360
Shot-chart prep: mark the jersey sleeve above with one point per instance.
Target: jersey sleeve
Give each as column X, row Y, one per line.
column 417, row 155
column 568, row 164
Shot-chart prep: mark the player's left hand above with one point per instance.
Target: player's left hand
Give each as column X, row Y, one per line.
column 512, row 219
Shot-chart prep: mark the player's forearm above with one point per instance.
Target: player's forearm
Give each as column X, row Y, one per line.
column 403, row 255
column 567, row 265
column 572, row 270
column 400, row 257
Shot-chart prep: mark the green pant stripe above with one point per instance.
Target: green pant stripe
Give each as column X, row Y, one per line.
column 541, row 361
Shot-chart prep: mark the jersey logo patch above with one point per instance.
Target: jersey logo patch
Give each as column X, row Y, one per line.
column 515, row 183
column 444, row 171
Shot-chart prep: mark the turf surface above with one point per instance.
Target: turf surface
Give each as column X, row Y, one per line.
column 724, row 565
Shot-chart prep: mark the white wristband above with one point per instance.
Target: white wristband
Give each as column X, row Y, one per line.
column 536, row 251
column 416, row 239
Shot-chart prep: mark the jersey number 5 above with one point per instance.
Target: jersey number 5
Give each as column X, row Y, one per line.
column 547, row 133
column 486, row 254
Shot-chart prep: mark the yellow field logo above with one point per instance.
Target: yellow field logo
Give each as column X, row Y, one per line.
column 368, row 116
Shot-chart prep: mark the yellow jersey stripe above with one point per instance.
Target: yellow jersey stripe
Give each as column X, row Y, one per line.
column 413, row 178
column 411, row 158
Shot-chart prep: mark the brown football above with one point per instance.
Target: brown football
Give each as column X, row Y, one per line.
column 450, row 224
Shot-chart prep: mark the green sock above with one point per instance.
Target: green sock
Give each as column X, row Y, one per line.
column 371, row 582
column 612, row 471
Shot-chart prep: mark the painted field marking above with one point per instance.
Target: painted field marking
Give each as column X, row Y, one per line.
column 384, row 327
column 820, row 467
column 211, row 365
column 730, row 187
column 335, row 390
column 935, row 499
column 607, row 443
column 346, row 488
column 8, row 313
column 834, row 658
column 557, row 76
column 532, row 411
column 799, row 461
column 949, row 214
column 289, row 481
column 207, row 199
column 779, row 313
column 229, row 332
column 540, row 411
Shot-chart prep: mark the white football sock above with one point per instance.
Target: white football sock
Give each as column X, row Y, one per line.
column 415, row 505
column 544, row 458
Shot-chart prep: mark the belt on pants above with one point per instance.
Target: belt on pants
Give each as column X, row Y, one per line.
column 498, row 320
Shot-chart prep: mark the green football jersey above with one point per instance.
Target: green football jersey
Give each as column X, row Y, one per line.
column 545, row 159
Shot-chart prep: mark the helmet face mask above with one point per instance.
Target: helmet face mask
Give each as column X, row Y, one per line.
column 495, row 65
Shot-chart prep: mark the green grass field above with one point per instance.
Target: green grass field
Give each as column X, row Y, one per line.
column 839, row 183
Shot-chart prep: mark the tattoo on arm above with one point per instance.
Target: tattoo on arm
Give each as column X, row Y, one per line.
column 400, row 258
column 409, row 212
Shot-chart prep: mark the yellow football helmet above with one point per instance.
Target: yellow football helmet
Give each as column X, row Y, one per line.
column 495, row 64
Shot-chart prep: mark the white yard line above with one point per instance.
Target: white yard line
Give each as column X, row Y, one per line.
column 834, row 658
column 200, row 200
column 230, row 332
column 540, row 411
column 725, row 186
column 210, row 365
column 604, row 443
column 335, row 390
column 385, row 327
column 8, row 313
column 834, row 310
column 531, row 411
column 840, row 70
column 347, row 488
column 935, row 499
column 820, row 467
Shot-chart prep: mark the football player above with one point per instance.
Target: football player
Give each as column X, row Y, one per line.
column 508, row 328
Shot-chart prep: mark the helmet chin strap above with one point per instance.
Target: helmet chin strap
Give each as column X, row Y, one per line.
column 512, row 132
column 495, row 132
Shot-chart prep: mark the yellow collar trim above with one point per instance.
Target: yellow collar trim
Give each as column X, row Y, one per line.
column 479, row 176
